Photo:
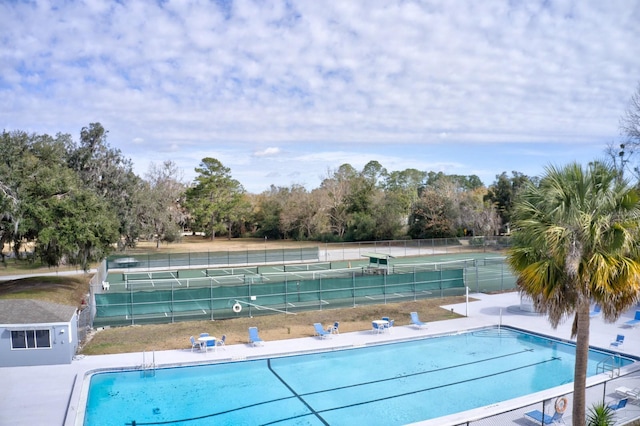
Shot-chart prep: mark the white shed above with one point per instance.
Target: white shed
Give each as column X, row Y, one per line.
column 35, row 332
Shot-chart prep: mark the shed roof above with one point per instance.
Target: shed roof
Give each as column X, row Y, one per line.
column 26, row 311
column 378, row 256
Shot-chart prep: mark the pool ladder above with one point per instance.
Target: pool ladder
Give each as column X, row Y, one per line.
column 148, row 368
column 612, row 364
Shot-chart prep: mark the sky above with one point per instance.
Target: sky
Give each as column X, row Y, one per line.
column 284, row 92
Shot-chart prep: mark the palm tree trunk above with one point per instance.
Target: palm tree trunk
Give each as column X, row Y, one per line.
column 582, row 358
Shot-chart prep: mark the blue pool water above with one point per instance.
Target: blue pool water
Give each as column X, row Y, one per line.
column 390, row 384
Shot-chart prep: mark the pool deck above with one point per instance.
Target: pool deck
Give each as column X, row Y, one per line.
column 40, row 395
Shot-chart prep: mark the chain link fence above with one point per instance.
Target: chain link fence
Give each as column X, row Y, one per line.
column 609, row 388
column 323, row 252
column 171, row 300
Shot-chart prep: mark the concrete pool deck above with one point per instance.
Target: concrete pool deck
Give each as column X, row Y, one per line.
column 41, row 395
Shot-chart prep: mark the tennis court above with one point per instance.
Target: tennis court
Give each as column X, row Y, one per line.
column 188, row 278
column 230, row 292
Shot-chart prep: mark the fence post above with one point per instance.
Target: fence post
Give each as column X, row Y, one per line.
column 353, row 287
column 211, row 297
column 131, row 298
column 467, row 302
column 477, row 276
column 415, row 290
column 286, row 296
column 384, row 287
column 173, row 308
column 249, row 297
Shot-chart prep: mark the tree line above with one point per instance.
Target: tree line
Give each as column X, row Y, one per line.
column 74, row 202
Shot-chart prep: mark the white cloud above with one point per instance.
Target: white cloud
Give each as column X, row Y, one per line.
column 325, row 83
column 267, row 152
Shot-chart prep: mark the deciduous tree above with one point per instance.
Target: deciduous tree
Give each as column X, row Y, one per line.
column 164, row 200
column 336, row 189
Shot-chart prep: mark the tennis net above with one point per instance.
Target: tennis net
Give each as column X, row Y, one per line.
column 409, row 268
column 217, row 272
column 488, row 261
column 318, row 266
column 312, row 275
column 152, row 275
column 149, row 284
column 233, row 279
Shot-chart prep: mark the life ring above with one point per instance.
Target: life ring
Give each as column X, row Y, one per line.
column 237, row 308
column 561, row 405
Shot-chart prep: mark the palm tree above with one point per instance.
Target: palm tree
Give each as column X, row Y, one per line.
column 576, row 242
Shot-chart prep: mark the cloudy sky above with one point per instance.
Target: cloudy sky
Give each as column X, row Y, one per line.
column 282, row 92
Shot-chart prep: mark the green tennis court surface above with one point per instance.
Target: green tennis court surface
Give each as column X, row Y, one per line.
column 172, row 295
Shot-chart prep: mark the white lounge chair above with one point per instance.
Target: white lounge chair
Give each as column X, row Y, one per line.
column 618, row 342
column 540, row 418
column 254, row 339
column 619, row 405
column 416, row 321
column 625, row 392
column 634, row 322
column 321, row 331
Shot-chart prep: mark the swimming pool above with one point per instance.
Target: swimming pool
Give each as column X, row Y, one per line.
column 386, row 384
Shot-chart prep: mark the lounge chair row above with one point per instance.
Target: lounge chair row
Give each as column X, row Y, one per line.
column 255, row 340
column 635, row 322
